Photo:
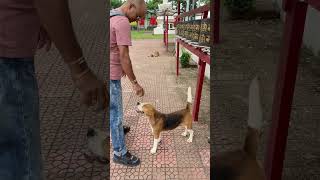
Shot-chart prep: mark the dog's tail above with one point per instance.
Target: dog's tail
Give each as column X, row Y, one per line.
column 254, row 119
column 189, row 99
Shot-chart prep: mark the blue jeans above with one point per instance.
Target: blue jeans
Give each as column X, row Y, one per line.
column 20, row 157
column 116, row 118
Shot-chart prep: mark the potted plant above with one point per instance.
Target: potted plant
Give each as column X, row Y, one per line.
column 185, row 58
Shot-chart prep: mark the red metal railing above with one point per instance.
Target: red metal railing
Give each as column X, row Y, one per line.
column 166, row 31
column 203, row 57
column 201, row 9
column 284, row 89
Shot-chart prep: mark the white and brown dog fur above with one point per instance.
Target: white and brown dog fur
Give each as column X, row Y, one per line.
column 160, row 122
column 242, row 164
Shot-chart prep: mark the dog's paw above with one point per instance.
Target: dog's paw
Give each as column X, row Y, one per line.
column 153, row 151
column 189, row 140
column 184, row 133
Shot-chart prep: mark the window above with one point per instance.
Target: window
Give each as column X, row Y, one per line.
column 171, row 27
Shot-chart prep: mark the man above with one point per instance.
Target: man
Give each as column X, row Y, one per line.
column 120, row 65
column 20, row 31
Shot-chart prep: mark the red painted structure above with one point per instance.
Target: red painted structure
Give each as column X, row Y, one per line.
column 204, row 59
column 153, row 21
column 284, row 89
column 141, row 22
column 167, row 32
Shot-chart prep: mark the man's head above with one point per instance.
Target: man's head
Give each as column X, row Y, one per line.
column 134, row 9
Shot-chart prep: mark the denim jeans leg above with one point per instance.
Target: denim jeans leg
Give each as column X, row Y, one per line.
column 20, row 156
column 116, row 118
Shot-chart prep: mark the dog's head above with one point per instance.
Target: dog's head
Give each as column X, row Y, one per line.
column 146, row 108
column 98, row 142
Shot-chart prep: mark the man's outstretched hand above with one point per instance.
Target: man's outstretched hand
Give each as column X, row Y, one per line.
column 138, row 89
column 93, row 92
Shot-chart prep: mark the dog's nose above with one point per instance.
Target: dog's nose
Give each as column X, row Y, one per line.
column 138, row 103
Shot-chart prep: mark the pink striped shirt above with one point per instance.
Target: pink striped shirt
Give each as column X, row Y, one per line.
column 120, row 34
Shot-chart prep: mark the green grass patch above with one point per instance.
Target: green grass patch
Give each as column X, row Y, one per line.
column 136, row 35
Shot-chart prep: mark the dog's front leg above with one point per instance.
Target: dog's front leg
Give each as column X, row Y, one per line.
column 190, row 135
column 151, row 127
column 156, row 141
column 185, row 133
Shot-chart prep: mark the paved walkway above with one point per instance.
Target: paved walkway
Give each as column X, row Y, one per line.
column 175, row 158
column 250, row 48
column 64, row 123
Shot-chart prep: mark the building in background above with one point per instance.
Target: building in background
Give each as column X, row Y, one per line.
column 311, row 39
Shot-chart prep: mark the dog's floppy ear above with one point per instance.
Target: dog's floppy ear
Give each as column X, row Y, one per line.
column 148, row 110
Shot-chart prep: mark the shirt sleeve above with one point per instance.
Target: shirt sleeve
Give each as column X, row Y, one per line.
column 123, row 33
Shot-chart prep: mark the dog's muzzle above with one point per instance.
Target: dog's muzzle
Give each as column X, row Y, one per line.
column 138, row 109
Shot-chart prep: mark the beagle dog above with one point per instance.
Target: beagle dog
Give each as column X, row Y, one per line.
column 160, row 122
column 242, row 164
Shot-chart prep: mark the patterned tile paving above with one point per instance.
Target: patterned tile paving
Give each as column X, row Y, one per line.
column 64, row 122
column 175, row 157
column 236, row 65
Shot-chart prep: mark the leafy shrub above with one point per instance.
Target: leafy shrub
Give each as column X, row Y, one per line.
column 184, row 59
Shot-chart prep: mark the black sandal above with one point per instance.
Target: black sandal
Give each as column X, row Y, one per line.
column 128, row 159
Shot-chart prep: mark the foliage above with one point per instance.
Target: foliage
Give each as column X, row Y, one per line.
column 204, row 1
column 153, row 4
column 115, row 3
column 183, row 4
column 184, row 59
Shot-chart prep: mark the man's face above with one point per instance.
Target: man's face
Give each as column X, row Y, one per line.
column 136, row 12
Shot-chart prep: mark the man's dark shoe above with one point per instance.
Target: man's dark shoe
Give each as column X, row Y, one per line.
column 126, row 129
column 127, row 160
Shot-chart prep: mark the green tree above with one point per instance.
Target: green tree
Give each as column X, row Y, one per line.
column 152, row 5
column 183, row 4
column 204, row 1
column 115, row 3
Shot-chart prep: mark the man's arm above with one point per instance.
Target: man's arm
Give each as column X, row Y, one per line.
column 126, row 62
column 56, row 19
column 127, row 68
